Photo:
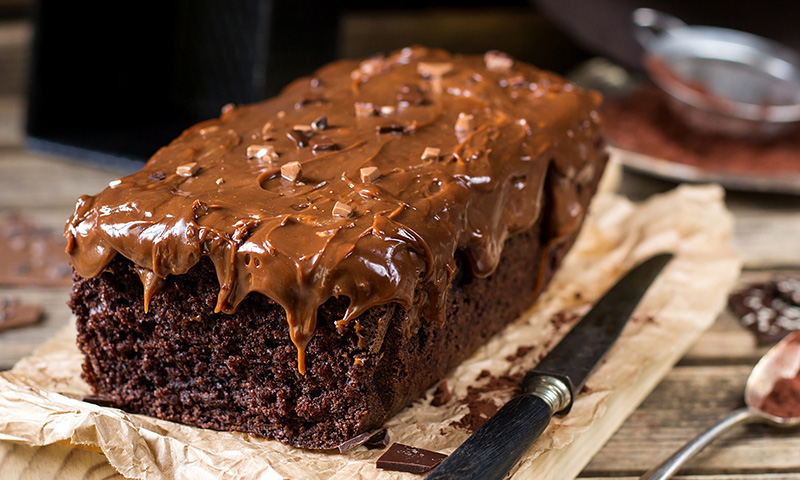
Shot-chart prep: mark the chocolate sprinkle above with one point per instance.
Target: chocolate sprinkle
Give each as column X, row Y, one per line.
column 404, row 458
column 307, row 101
column 320, row 124
column 391, row 128
column 299, row 138
column 323, row 144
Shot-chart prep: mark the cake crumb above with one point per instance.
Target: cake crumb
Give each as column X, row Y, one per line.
column 442, row 395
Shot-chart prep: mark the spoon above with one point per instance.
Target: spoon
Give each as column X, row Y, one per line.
column 782, row 361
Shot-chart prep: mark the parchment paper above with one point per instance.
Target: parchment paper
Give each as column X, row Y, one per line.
column 39, row 398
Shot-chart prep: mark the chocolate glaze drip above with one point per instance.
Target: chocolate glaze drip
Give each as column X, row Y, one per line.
column 397, row 241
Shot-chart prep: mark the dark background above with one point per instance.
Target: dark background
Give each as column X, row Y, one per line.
column 111, row 82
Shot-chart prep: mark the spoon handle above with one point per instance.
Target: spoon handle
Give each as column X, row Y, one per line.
column 671, row 465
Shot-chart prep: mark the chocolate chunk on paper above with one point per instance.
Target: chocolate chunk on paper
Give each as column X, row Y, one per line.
column 15, row 314
column 404, row 458
column 370, row 440
column 770, row 309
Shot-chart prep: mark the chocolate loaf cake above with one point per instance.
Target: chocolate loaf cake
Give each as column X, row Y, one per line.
column 303, row 268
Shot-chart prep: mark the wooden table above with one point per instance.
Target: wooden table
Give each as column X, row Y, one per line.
column 706, row 384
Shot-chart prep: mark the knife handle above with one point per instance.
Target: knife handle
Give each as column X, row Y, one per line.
column 497, row 446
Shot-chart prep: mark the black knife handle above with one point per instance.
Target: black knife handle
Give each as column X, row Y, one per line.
column 497, row 446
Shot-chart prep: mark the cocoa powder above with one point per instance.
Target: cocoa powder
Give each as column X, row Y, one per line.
column 644, row 123
column 784, row 399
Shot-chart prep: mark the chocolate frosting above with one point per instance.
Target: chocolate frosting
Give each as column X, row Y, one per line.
column 329, row 225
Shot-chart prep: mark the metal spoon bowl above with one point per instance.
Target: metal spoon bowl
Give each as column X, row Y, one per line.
column 782, row 361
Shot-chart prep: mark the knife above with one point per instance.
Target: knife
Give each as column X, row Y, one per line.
column 550, row 387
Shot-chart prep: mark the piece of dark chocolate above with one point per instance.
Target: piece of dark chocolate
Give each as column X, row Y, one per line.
column 99, row 400
column 768, row 309
column 371, row 440
column 404, row 458
column 379, row 439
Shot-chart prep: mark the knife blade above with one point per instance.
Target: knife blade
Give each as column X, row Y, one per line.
column 550, row 387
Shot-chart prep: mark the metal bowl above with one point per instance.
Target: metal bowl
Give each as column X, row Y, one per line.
column 720, row 80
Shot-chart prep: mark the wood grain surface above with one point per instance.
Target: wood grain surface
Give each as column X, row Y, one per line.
column 706, row 384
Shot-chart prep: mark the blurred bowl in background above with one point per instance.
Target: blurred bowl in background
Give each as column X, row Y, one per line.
column 721, row 80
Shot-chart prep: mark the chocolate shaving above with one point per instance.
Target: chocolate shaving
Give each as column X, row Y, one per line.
column 157, row 175
column 404, row 458
column 481, row 406
column 521, row 352
column 442, row 395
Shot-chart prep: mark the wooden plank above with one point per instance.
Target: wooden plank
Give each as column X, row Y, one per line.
column 12, row 109
column 15, row 40
column 766, row 226
column 689, row 400
column 727, row 341
column 30, row 182
column 19, row 342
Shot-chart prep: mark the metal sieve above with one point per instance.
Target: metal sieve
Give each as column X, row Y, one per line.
column 721, row 80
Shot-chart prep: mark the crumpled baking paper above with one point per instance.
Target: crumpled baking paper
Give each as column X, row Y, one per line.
column 40, row 398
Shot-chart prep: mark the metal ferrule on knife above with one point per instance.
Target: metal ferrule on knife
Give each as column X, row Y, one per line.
column 555, row 392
